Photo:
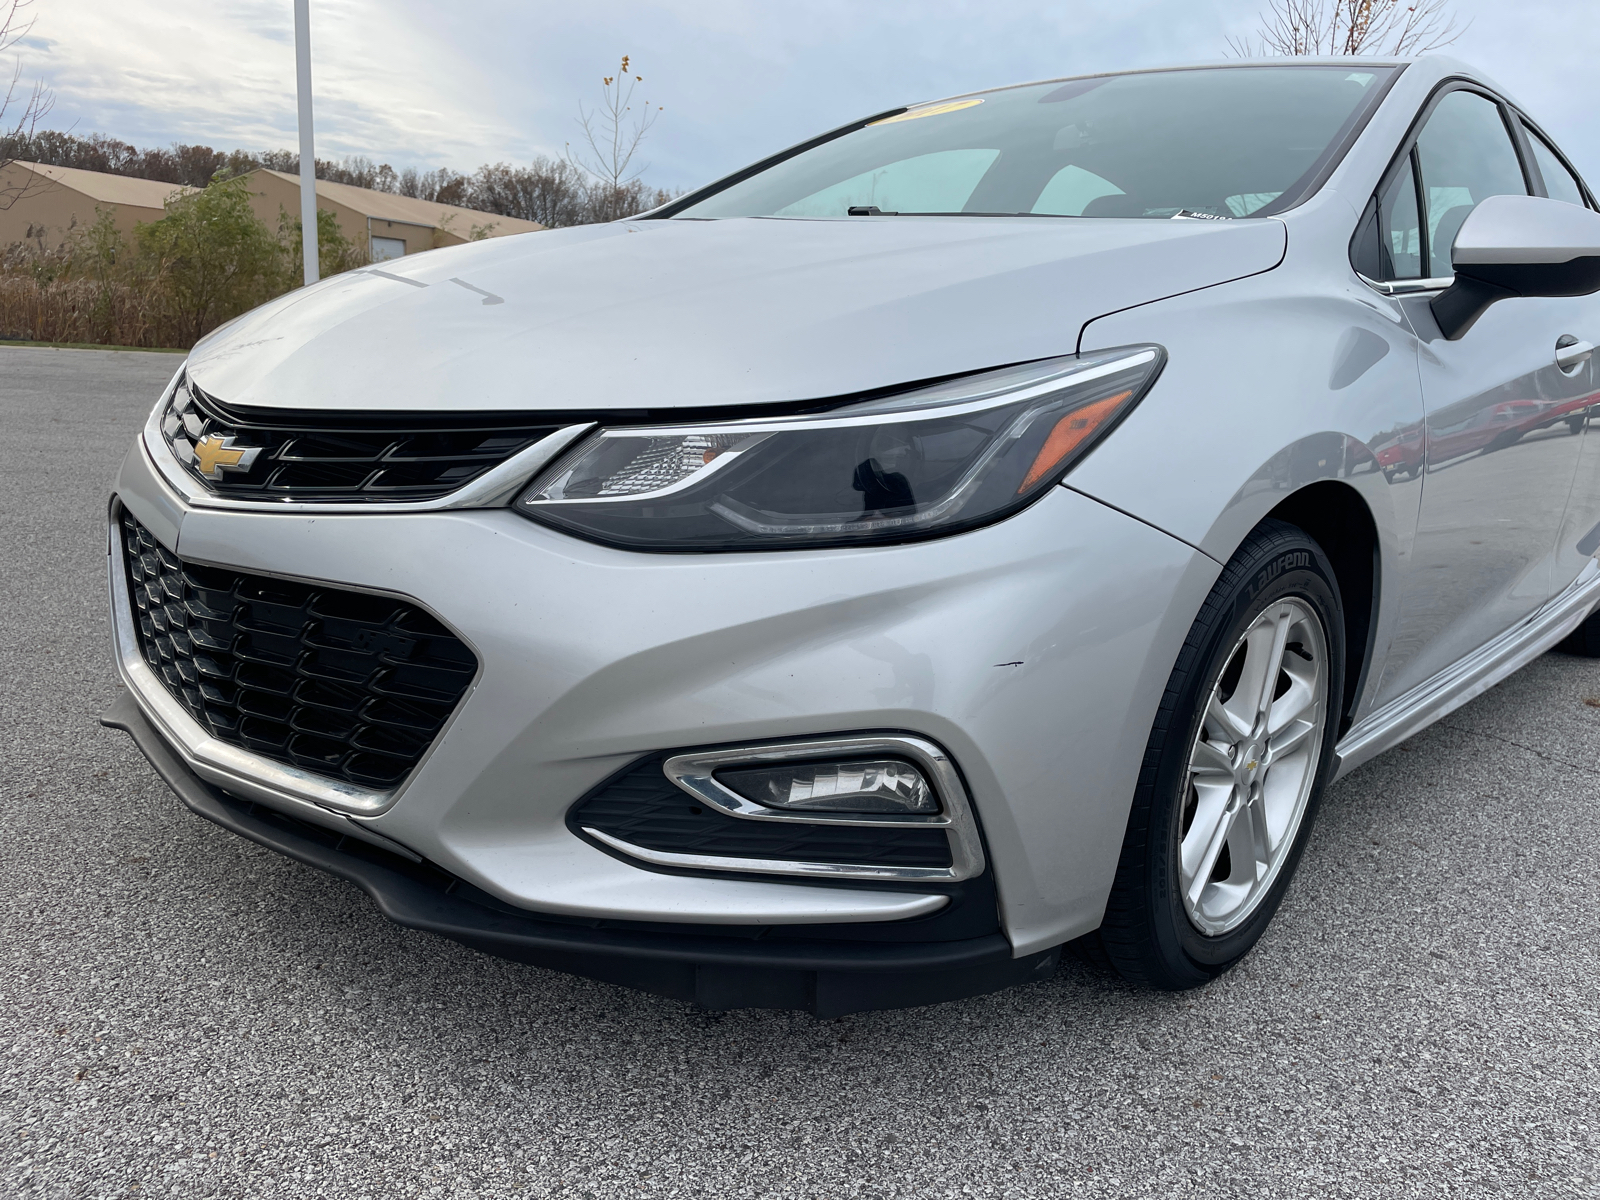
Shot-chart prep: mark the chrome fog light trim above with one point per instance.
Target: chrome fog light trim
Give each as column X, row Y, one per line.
column 695, row 773
column 766, row 866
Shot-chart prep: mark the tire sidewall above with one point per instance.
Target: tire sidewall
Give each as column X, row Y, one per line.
column 1293, row 566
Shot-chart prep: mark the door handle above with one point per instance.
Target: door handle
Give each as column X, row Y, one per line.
column 1570, row 352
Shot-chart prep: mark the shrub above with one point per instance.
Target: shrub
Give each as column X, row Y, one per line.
column 335, row 252
column 210, row 258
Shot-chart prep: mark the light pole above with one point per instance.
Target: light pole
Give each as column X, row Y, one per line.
column 308, row 159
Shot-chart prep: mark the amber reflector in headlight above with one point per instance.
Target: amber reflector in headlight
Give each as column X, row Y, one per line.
column 874, row 786
column 921, row 463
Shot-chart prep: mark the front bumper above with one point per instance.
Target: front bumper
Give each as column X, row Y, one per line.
column 1034, row 651
column 823, row 976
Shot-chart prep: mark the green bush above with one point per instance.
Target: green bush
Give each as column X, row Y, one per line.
column 335, row 252
column 211, row 257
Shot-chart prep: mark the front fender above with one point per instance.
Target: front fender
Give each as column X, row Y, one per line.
column 1272, row 384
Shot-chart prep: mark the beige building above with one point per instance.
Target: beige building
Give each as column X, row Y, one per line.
column 385, row 224
column 53, row 201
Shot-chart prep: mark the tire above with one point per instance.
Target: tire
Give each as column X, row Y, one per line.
column 1583, row 641
column 1167, row 930
column 1576, row 424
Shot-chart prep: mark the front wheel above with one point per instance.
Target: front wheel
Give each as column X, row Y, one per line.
column 1239, row 754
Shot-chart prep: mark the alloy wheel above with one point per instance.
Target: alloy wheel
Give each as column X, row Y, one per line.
column 1252, row 766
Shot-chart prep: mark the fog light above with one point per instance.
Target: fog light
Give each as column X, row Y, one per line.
column 881, row 785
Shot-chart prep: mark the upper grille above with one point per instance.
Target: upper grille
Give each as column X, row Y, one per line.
column 345, row 684
column 642, row 806
column 332, row 457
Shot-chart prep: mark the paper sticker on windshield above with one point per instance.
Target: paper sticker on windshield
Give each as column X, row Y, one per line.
column 931, row 110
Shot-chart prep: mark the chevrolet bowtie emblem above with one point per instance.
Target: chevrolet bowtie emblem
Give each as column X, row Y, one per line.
column 214, row 454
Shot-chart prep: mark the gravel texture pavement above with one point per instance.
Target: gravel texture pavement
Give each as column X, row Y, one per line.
column 185, row 1014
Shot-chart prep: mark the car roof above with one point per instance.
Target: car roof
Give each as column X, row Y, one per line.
column 1440, row 64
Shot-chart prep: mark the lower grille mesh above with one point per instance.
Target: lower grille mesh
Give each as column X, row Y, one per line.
column 642, row 806
column 345, row 684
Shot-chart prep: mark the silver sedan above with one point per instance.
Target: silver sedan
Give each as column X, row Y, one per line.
column 983, row 528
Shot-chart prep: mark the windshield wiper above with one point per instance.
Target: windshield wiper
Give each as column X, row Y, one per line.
column 872, row 210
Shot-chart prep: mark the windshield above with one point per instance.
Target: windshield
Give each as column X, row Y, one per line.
column 1215, row 142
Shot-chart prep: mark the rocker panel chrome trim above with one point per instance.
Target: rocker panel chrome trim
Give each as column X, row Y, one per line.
column 1472, row 676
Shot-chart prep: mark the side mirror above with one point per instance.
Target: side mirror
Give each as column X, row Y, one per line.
column 1518, row 246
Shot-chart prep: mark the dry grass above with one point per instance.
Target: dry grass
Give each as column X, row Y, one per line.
column 168, row 284
column 84, row 310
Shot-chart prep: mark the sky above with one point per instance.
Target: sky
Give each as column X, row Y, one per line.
column 426, row 84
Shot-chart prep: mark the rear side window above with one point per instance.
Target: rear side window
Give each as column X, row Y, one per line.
column 1559, row 183
column 1465, row 154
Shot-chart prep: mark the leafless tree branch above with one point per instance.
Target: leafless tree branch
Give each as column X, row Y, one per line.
column 611, row 137
column 34, row 102
column 1340, row 27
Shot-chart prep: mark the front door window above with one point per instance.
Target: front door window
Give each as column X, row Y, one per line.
column 1465, row 154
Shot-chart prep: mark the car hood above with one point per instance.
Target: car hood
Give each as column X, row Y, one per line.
column 690, row 314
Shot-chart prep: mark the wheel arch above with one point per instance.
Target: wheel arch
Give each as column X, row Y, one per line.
column 1336, row 517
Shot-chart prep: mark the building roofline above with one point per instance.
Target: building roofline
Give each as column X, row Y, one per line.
column 403, row 210
column 104, row 186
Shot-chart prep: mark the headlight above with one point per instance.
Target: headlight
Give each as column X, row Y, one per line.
column 918, row 464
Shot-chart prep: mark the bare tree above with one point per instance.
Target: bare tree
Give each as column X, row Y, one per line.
column 1339, row 27
column 550, row 191
column 26, row 108
column 611, row 137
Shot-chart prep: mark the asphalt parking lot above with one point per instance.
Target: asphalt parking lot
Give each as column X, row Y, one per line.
column 185, row 1014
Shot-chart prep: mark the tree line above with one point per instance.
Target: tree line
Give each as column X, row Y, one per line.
column 554, row 192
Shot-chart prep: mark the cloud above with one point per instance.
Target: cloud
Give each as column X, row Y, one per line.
column 416, row 82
